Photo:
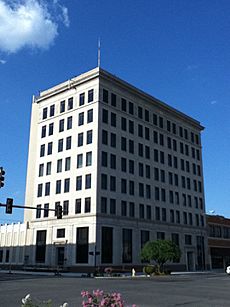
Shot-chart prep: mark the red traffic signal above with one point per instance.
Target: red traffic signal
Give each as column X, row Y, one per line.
column 9, row 205
column 2, row 173
column 59, row 211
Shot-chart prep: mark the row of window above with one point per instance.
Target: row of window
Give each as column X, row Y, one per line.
column 65, row 208
column 65, row 164
column 48, row 130
column 68, row 143
column 158, row 138
column 128, row 165
column 144, row 114
column 218, row 231
column 129, row 185
column 66, row 186
column 127, row 209
column 62, row 106
column 141, row 149
column 66, row 105
column 145, row 236
column 126, row 187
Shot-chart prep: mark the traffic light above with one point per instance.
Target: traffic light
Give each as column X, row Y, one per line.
column 59, row 212
column 9, row 205
column 2, row 173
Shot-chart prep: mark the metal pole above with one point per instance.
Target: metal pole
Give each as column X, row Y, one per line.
column 95, row 257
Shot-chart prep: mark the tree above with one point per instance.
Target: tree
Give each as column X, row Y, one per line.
column 160, row 251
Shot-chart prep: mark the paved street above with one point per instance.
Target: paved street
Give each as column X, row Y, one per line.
column 205, row 290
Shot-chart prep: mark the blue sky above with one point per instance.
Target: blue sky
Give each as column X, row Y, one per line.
column 175, row 50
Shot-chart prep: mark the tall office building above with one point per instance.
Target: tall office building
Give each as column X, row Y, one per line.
column 125, row 167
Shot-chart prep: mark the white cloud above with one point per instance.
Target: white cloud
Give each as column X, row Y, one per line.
column 63, row 15
column 2, row 62
column 28, row 23
column 213, row 102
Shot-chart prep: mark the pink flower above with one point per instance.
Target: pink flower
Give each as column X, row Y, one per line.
column 98, row 293
column 100, row 299
column 84, row 293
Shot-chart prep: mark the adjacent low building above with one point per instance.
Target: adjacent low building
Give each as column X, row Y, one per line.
column 12, row 244
column 125, row 167
column 218, row 241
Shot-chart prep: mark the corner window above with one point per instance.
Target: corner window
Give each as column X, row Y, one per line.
column 113, row 100
column 39, row 193
column 68, row 143
column 38, row 212
column 81, row 119
column 47, row 188
column 88, row 181
column 70, row 103
column 79, row 160
column 78, row 183
column 89, row 158
column 52, row 110
column 50, row 148
column 81, row 99
column 61, row 125
column 123, row 104
column 60, row 145
column 59, row 166
column 66, row 185
column 80, row 139
column 78, row 206
column 87, row 205
column 51, row 129
column 105, row 116
column 66, row 207
column 69, row 122
column 42, row 150
column 44, row 113
column 90, row 96
column 43, row 134
column 46, row 210
column 90, row 116
column 62, row 106
column 58, row 186
column 67, row 163
column 41, row 170
column 105, row 96
column 89, row 137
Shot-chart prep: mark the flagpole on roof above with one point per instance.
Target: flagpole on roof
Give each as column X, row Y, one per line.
column 99, row 53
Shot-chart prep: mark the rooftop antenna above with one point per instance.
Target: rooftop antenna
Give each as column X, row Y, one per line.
column 99, row 53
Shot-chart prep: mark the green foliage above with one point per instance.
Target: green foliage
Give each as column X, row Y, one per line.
column 149, row 269
column 160, row 251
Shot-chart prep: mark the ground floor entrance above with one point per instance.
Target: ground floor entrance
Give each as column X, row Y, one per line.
column 60, row 255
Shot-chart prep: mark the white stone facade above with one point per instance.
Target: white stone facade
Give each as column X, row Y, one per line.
column 12, row 242
column 130, row 170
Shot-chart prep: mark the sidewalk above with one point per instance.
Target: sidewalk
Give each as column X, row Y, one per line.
column 85, row 275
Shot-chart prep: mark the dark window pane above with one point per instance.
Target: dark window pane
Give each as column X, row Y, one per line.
column 82, row 245
column 107, row 244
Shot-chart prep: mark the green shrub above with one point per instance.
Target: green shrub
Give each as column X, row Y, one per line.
column 167, row 272
column 149, row 269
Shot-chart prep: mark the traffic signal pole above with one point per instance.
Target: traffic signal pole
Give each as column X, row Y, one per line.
column 58, row 210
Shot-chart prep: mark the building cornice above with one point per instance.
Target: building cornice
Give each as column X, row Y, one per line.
column 66, row 85
column 98, row 72
column 151, row 99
